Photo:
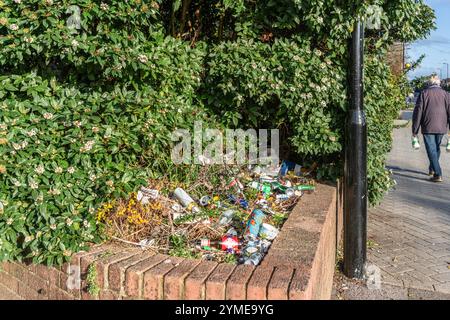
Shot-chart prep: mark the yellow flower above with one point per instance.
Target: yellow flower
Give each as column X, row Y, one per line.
column 3, row 141
column 2, row 169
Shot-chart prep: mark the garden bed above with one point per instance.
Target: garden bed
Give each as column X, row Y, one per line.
column 236, row 214
column 299, row 265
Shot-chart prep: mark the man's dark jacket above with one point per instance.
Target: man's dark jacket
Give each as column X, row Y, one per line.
column 432, row 111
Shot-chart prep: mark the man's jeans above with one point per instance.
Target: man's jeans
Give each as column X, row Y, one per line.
column 433, row 146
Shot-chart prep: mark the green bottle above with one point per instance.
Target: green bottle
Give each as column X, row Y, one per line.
column 305, row 188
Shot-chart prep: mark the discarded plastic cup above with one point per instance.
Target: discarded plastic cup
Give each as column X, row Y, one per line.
column 268, row 231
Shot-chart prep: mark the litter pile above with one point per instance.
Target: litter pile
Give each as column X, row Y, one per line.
column 234, row 218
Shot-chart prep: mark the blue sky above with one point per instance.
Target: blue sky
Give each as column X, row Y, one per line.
column 437, row 46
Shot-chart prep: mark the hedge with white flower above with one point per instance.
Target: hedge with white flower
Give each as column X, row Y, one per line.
column 90, row 91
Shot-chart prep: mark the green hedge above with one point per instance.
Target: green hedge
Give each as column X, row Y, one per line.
column 86, row 114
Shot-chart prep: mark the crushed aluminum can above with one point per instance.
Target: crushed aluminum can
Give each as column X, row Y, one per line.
column 232, row 232
column 243, row 203
column 265, row 245
column 254, row 259
column 287, row 166
column 235, row 183
column 232, row 199
column 282, row 197
column 205, row 200
column 226, row 218
column 250, row 249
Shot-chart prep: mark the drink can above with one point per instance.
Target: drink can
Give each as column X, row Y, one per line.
column 254, row 259
column 185, row 200
column 254, row 222
column 243, row 203
column 226, row 218
column 205, row 200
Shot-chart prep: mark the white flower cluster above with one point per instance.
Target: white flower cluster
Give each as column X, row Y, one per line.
column 87, row 146
column 20, row 146
column 39, row 169
column 48, row 116
column 142, row 58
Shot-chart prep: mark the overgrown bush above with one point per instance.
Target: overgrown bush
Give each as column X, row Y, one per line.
column 86, row 113
column 85, row 117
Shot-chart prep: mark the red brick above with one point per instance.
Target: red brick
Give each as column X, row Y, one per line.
column 116, row 274
column 56, row 293
column 17, row 271
column 4, row 266
column 102, row 265
column 28, row 293
column 37, row 284
column 237, row 283
column 174, row 280
column 108, row 295
column 278, row 288
column 90, row 257
column 154, row 278
column 134, row 274
column 258, row 283
column 10, row 282
column 75, row 260
column 216, row 283
column 195, row 282
column 299, row 289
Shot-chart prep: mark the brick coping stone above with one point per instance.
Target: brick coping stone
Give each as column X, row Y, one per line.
column 299, row 266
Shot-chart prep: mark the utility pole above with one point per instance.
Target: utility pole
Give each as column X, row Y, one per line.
column 445, row 63
column 355, row 173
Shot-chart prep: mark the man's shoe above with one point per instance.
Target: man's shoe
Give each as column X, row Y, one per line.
column 436, row 179
column 431, row 173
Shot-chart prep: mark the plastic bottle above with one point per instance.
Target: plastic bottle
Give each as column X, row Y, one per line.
column 264, row 188
column 226, row 218
column 186, row 200
column 415, row 143
column 229, row 243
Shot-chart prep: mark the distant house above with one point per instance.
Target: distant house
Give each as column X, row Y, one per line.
column 396, row 58
column 445, row 82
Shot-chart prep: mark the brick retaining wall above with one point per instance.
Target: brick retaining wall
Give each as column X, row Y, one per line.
column 300, row 265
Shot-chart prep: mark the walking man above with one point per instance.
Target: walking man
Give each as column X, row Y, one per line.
column 432, row 114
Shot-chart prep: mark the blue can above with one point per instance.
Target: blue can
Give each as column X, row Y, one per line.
column 287, row 166
column 243, row 203
column 254, row 223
